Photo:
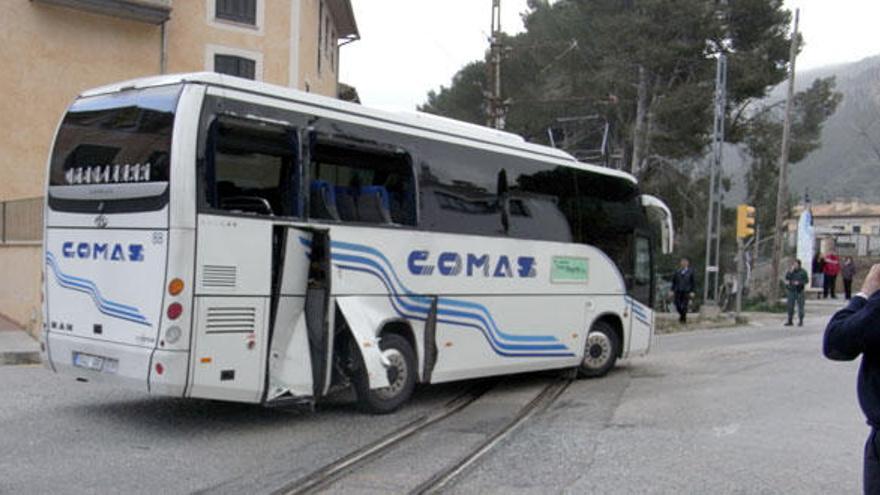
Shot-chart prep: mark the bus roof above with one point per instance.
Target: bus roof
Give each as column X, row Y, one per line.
column 416, row 120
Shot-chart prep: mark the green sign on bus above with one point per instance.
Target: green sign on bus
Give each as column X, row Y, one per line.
column 569, row 270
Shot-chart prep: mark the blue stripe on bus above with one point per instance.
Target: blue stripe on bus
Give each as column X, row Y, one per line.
column 377, row 270
column 639, row 312
column 410, row 305
column 395, row 300
column 105, row 306
column 488, row 320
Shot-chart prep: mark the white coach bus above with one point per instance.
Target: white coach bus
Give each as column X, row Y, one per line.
column 214, row 237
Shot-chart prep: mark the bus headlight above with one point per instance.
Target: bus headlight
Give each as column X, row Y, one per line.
column 172, row 335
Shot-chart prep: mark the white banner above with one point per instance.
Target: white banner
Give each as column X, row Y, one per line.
column 806, row 241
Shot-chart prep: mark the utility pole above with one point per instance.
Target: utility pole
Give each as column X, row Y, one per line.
column 782, row 188
column 713, row 219
column 745, row 228
column 740, row 263
column 495, row 106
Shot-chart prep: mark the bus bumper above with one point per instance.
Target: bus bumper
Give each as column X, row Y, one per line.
column 100, row 362
column 172, row 380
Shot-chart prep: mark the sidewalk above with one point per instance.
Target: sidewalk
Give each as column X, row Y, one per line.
column 668, row 322
column 16, row 345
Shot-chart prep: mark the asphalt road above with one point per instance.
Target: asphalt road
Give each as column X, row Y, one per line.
column 747, row 410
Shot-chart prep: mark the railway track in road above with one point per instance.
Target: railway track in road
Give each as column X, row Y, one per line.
column 333, row 473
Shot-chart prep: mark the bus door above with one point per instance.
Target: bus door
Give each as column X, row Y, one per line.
column 641, row 295
column 301, row 342
column 250, row 183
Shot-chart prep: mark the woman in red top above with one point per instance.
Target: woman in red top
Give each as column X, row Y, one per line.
column 831, row 269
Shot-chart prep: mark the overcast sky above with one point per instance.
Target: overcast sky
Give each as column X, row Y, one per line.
column 408, row 47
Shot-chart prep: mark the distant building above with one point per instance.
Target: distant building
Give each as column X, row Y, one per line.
column 854, row 226
column 54, row 49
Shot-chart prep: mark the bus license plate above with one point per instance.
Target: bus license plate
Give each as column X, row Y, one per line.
column 88, row 361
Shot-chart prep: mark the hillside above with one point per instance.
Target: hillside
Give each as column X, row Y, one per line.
column 848, row 163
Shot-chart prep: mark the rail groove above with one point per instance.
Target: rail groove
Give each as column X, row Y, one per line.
column 541, row 402
column 327, row 475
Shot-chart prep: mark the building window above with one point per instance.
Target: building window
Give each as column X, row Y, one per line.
column 857, row 229
column 243, row 11
column 235, row 66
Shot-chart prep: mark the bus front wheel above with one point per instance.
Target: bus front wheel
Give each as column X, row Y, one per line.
column 401, row 369
column 600, row 351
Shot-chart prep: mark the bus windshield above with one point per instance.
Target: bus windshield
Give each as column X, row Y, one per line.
column 121, row 140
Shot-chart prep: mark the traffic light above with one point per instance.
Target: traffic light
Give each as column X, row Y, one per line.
column 745, row 221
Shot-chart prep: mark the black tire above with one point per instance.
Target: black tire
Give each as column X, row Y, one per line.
column 600, row 351
column 401, row 375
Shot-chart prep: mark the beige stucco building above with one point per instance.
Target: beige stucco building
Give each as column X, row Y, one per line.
column 54, row 49
column 851, row 227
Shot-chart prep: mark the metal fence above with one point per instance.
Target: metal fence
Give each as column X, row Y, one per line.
column 21, row 221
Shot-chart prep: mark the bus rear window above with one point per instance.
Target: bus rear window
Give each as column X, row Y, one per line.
column 121, row 139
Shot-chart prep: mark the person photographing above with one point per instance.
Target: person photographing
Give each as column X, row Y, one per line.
column 796, row 279
column 854, row 331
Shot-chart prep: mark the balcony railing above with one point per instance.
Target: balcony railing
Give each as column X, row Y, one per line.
column 149, row 11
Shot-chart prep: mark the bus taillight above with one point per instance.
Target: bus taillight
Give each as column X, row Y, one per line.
column 174, row 311
column 175, row 287
column 172, row 335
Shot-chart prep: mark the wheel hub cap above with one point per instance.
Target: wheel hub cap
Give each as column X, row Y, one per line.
column 598, row 350
column 397, row 374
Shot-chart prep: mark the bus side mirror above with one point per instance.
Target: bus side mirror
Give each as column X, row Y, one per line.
column 667, row 230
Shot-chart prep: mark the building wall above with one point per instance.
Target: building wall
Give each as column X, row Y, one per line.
column 326, row 81
column 194, row 35
column 20, row 289
column 54, row 53
column 50, row 57
column 276, row 44
column 868, row 224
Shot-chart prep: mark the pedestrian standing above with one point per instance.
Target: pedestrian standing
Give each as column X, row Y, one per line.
column 795, row 280
column 852, row 331
column 848, row 272
column 830, row 269
column 818, row 267
column 683, row 287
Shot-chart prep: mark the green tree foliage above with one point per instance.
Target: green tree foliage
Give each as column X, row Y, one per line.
column 647, row 66
column 464, row 99
column 763, row 140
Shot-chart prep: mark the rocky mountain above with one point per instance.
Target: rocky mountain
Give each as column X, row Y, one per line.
column 848, row 163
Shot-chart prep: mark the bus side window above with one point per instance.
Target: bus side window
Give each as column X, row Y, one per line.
column 253, row 165
column 643, row 261
column 362, row 184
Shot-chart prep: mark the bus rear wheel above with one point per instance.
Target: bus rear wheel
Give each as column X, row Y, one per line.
column 600, row 351
column 401, row 370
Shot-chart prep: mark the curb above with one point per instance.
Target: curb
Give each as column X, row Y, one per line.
column 19, row 358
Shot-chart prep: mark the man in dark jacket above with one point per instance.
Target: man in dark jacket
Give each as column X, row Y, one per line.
column 852, row 331
column 795, row 280
column 683, row 287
